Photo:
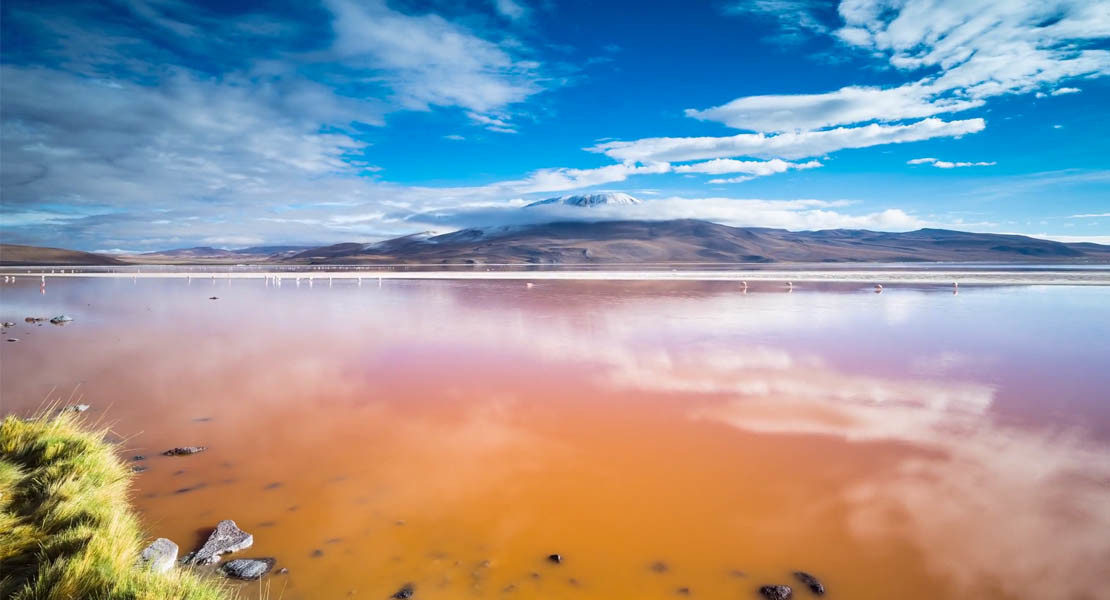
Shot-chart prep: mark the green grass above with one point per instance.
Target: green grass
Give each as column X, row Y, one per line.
column 67, row 529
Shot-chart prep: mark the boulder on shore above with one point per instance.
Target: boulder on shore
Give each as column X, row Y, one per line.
column 811, row 582
column 226, row 538
column 184, row 450
column 248, row 568
column 776, row 592
column 159, row 556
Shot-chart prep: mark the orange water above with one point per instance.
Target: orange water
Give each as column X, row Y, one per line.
column 909, row 444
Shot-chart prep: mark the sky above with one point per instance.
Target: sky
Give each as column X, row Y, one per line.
column 141, row 125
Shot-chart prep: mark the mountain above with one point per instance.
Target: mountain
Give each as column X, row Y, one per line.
column 210, row 254
column 13, row 254
column 692, row 241
column 588, row 200
column 621, row 242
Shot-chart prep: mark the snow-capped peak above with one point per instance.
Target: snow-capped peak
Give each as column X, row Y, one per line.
column 588, row 200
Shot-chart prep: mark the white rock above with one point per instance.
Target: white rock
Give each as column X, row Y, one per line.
column 160, row 556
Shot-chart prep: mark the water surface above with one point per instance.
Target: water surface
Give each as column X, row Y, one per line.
column 452, row 434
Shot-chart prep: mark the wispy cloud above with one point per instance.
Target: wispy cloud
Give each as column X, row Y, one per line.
column 944, row 164
column 789, row 145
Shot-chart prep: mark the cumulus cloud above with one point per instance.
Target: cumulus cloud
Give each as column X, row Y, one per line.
column 805, row 214
column 430, row 61
column 971, row 51
column 721, row 166
column 944, row 164
column 790, row 145
column 847, row 105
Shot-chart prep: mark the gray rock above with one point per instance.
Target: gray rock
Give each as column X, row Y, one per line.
column 61, row 319
column 776, row 592
column 9, row 324
column 78, row 407
column 404, row 593
column 13, row 339
column 248, row 568
column 184, row 450
column 159, row 556
column 811, row 582
column 226, row 538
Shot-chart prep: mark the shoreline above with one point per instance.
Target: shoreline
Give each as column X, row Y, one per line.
column 901, row 276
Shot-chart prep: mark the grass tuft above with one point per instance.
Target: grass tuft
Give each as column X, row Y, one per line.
column 67, row 529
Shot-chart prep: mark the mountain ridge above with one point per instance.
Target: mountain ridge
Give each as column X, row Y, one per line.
column 631, row 242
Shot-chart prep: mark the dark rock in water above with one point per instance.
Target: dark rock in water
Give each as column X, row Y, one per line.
column 159, row 556
column 202, row 419
column 248, row 568
column 138, row 457
column 811, row 582
column 13, row 339
column 58, row 320
column 406, row 591
column 273, row 486
column 317, row 553
column 184, row 450
column 213, row 297
column 658, row 567
column 78, row 408
column 34, row 319
column 193, row 488
column 776, row 592
column 283, row 571
column 9, row 324
column 226, row 538
column 683, row 591
column 138, row 468
column 555, row 558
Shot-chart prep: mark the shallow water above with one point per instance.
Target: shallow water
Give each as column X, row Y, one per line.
column 452, row 434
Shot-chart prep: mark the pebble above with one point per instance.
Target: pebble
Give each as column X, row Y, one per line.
column 776, row 592
column 555, row 558
column 811, row 582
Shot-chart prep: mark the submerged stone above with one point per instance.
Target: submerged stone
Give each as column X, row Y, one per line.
column 79, row 407
column 58, row 320
column 811, row 582
column 405, row 592
column 248, row 568
column 184, row 450
column 227, row 537
column 776, row 592
column 555, row 558
column 159, row 556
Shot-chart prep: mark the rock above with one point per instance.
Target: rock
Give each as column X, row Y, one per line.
column 811, row 582
column 683, row 591
column 213, row 297
column 34, row 319
column 405, row 592
column 776, row 592
column 159, row 556
column 317, row 553
column 9, row 324
column 283, row 571
column 61, row 319
column 555, row 558
column 248, row 568
column 226, row 538
column 138, row 468
column 184, row 450
column 658, row 567
column 138, row 457
column 13, row 339
column 78, row 407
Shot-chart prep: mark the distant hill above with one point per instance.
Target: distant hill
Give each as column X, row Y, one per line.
column 627, row 242
column 13, row 254
column 692, row 241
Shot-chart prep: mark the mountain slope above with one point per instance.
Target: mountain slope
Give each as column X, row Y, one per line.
column 691, row 241
column 14, row 254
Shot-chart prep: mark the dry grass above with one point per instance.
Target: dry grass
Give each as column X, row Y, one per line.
column 66, row 525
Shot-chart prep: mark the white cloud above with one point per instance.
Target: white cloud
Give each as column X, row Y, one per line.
column 974, row 51
column 454, row 137
column 740, row 179
column 944, row 164
column 791, row 145
column 1090, row 216
column 511, row 9
column 721, row 166
column 429, row 61
column 790, row 214
column 847, row 105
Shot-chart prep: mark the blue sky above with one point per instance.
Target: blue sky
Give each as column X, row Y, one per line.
column 151, row 124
